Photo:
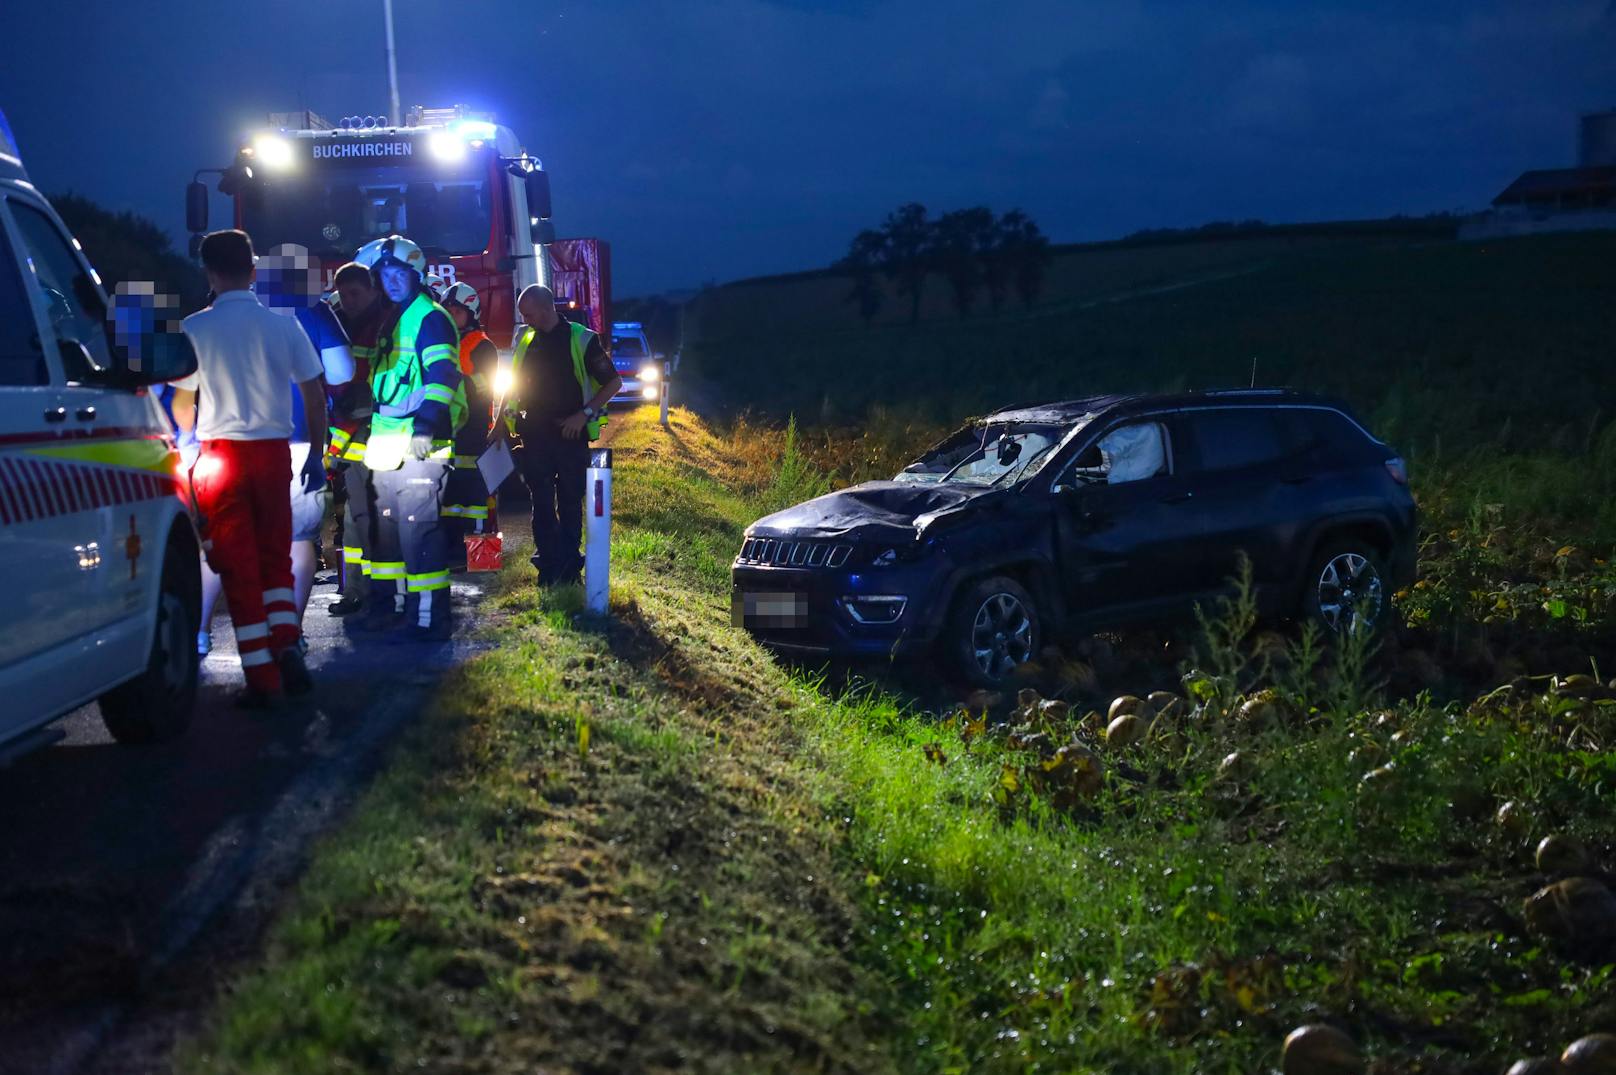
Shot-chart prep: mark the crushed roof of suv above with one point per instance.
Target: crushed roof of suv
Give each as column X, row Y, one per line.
column 1071, row 409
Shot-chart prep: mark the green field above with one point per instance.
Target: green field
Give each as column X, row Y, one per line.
column 1443, row 345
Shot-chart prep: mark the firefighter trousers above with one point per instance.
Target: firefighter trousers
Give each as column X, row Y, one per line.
column 466, row 498
column 410, row 567
column 358, row 522
column 246, row 528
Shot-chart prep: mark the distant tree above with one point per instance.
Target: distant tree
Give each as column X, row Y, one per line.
column 125, row 247
column 865, row 256
column 1026, row 252
column 956, row 252
column 908, row 234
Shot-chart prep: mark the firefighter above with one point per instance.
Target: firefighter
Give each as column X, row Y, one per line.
column 561, row 381
column 364, row 312
column 468, row 499
column 419, row 402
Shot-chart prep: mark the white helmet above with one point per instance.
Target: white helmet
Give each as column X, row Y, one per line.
column 394, row 248
column 434, row 284
column 462, row 294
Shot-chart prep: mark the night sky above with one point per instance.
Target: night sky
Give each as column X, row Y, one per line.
column 713, row 139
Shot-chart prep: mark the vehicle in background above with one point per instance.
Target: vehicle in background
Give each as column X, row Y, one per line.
column 98, row 554
column 454, row 181
column 641, row 370
column 1079, row 516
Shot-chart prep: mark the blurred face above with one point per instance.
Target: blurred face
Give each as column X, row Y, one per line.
column 288, row 278
column 357, row 299
column 400, row 282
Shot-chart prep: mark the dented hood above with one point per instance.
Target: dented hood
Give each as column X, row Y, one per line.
column 890, row 511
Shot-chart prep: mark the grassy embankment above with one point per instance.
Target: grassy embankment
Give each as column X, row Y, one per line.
column 652, row 848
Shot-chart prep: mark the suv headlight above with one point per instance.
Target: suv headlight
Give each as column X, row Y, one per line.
column 650, row 373
column 900, row 554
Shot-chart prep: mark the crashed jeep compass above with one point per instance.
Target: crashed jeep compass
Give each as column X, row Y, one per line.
column 1072, row 517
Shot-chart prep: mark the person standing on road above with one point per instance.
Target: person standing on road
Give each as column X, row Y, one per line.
column 420, row 402
column 467, row 506
column 363, row 311
column 561, row 381
column 246, row 356
column 289, row 283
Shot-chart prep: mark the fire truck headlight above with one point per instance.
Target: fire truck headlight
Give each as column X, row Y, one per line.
column 446, row 146
column 272, row 151
column 503, row 381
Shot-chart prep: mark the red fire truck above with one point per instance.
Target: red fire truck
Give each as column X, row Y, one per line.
column 456, row 182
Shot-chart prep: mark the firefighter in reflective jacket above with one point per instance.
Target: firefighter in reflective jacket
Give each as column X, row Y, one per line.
column 419, row 403
column 561, row 381
column 467, row 506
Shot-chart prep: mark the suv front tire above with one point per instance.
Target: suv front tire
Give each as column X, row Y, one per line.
column 993, row 630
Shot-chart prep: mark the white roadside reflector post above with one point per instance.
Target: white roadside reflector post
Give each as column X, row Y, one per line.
column 667, row 369
column 598, row 530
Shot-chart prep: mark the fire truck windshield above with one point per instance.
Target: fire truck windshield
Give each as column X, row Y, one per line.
column 334, row 212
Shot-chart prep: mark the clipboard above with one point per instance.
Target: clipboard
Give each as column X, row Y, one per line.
column 496, row 464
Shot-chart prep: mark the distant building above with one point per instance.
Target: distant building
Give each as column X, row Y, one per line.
column 1559, row 199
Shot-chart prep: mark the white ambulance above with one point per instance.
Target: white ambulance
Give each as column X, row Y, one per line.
column 99, row 579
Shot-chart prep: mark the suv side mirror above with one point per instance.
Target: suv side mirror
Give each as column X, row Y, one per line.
column 538, row 193
column 196, row 206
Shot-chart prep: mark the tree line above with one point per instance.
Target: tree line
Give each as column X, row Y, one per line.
column 971, row 249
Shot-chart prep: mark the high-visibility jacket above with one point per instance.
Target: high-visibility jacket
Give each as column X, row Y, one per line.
column 581, row 336
column 348, row 433
column 398, row 381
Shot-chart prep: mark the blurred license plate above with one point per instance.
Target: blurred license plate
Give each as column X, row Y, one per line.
column 769, row 610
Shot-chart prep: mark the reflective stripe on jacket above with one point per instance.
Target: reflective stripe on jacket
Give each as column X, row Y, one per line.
column 581, row 335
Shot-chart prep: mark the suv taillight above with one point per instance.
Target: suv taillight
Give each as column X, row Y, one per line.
column 1398, row 471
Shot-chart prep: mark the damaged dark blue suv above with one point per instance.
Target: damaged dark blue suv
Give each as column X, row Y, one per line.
column 1072, row 517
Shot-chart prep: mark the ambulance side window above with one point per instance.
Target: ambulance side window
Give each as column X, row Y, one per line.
column 22, row 357
column 72, row 305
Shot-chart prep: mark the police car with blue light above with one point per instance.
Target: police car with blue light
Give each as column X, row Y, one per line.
column 99, row 561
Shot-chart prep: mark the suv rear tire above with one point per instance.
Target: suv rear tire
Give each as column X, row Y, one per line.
column 157, row 704
column 993, row 630
column 1344, row 587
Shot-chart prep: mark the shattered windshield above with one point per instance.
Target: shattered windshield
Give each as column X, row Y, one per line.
column 989, row 454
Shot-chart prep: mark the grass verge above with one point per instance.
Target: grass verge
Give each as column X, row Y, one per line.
column 651, row 847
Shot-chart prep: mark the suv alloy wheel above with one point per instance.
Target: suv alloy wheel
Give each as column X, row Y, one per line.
column 993, row 631
column 1344, row 588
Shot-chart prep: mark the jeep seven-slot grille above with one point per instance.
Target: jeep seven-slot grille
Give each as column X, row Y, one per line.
column 778, row 552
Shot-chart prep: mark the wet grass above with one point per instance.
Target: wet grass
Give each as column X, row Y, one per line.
column 652, row 847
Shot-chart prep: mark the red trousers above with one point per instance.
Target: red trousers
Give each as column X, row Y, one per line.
column 247, row 537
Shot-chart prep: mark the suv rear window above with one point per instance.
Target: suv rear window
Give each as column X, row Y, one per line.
column 1237, row 437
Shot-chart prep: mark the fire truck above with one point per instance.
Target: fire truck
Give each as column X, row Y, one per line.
column 456, row 182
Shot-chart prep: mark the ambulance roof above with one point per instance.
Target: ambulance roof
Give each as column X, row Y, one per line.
column 10, row 157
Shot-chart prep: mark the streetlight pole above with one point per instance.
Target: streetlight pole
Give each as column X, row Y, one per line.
column 392, row 64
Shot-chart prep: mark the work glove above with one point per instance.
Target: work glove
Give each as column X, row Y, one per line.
column 420, row 446
column 313, row 473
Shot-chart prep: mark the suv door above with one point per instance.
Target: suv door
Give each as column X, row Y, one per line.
column 48, row 552
column 111, row 468
column 1123, row 545
column 1248, row 465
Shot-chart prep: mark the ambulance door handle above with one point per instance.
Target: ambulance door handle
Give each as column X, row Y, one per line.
column 56, row 414
column 85, row 414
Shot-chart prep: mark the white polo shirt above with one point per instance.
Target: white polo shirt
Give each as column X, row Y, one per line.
column 247, row 358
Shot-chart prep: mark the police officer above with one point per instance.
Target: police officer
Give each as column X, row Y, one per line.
column 419, row 402
column 562, row 380
column 467, row 505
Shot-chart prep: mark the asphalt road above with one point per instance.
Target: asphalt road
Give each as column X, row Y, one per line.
column 129, row 875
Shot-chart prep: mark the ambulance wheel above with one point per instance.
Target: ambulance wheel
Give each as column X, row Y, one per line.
column 157, row 704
